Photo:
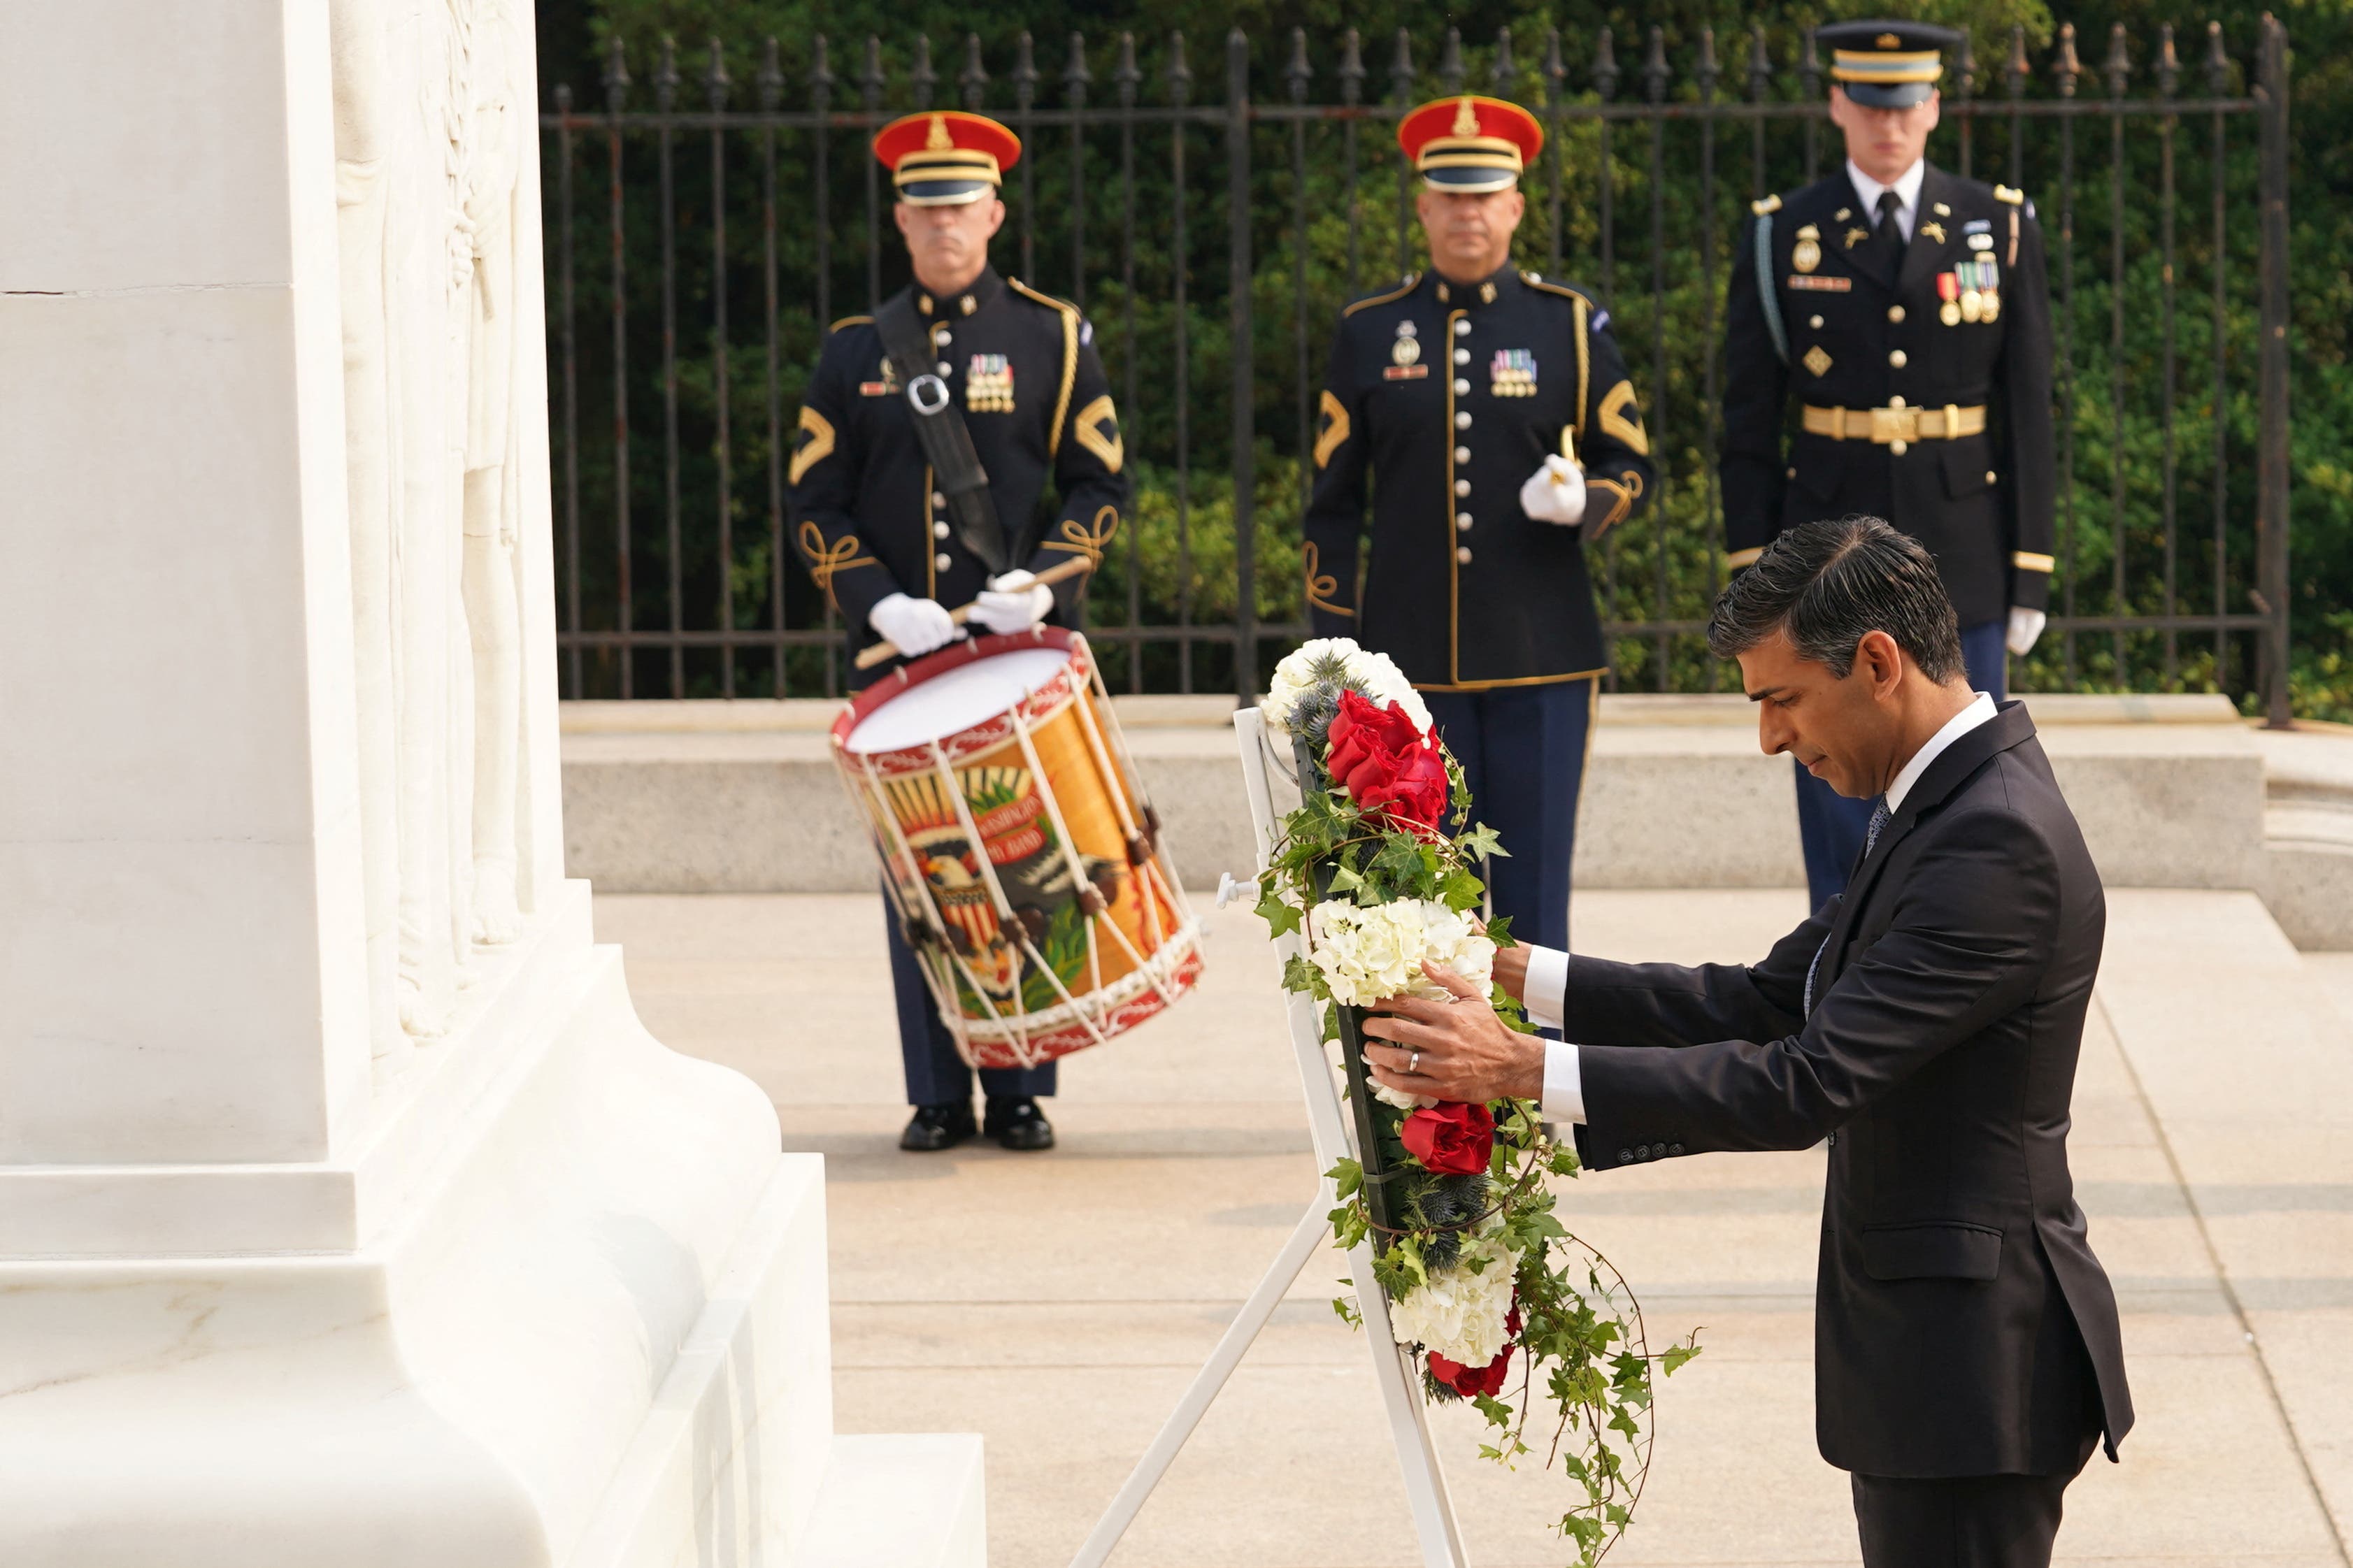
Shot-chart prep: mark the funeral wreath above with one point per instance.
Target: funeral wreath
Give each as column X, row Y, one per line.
column 1377, row 872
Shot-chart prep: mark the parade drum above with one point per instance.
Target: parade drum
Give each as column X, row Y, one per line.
column 1024, row 862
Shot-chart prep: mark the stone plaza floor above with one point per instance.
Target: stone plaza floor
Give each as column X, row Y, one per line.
column 1058, row 1303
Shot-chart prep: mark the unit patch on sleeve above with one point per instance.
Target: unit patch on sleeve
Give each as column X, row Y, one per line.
column 1513, row 374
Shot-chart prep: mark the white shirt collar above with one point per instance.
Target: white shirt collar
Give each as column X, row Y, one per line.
column 1979, row 712
column 1906, row 188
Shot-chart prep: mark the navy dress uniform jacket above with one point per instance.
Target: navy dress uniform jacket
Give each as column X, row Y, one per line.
column 1449, row 397
column 1962, row 1325
column 1863, row 339
column 1022, row 366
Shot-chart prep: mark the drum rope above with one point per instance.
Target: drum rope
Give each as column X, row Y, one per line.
column 1006, row 919
column 1080, row 882
column 1124, row 780
column 951, row 1008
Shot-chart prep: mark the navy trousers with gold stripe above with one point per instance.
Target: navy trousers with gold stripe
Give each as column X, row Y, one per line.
column 1522, row 750
column 1831, row 827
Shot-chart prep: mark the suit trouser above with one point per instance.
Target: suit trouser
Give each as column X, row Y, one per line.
column 935, row 1074
column 1830, row 827
column 1523, row 751
column 1962, row 1521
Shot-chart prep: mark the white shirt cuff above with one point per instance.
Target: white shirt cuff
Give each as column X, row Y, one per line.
column 1546, row 985
column 1564, row 1090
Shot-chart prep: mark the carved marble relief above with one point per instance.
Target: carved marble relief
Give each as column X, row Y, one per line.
column 430, row 120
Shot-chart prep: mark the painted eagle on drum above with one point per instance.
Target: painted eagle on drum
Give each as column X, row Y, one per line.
column 1049, row 897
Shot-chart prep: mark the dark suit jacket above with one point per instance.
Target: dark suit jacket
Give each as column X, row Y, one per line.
column 1957, row 1297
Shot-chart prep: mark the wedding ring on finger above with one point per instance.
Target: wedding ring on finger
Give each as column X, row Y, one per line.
column 1413, row 1063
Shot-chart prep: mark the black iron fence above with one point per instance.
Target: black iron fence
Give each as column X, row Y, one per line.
column 706, row 229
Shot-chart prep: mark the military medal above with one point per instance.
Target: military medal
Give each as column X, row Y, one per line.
column 1809, row 252
column 1513, row 374
column 1406, row 350
column 1949, row 289
column 989, row 385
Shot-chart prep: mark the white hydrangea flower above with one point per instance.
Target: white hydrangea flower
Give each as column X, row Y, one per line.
column 1379, row 677
column 1295, row 678
column 1459, row 1313
column 1374, row 676
column 1398, row 1097
column 1370, row 954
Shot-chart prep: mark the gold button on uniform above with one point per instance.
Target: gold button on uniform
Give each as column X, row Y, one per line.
column 1899, row 448
column 1815, row 322
column 1461, row 356
column 1461, row 386
column 1463, row 329
column 1896, row 358
column 1894, row 312
column 942, row 562
column 1463, row 420
column 939, row 531
column 1461, row 520
column 1990, row 480
column 1895, row 402
column 1463, row 454
column 1462, row 487
column 1463, row 554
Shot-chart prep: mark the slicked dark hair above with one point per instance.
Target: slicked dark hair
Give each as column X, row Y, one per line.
column 1824, row 584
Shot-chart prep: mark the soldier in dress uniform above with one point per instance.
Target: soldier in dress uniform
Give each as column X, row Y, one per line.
column 1492, row 413
column 872, row 527
column 1888, row 351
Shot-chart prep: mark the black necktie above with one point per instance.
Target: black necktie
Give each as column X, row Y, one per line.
column 1887, row 240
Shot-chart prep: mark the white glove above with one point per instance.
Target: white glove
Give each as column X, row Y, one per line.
column 1013, row 603
column 1555, row 492
column 2025, row 625
column 915, row 627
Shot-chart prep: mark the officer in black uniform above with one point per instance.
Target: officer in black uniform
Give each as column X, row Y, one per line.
column 1500, row 433
column 1888, row 351
column 873, row 530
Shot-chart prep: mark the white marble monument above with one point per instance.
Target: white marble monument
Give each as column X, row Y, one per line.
column 348, row 1215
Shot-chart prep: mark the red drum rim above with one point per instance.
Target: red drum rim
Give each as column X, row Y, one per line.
column 956, row 656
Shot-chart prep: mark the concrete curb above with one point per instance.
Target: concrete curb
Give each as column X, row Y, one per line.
column 2172, row 791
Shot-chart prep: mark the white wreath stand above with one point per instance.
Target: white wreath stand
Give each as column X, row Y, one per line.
column 1425, row 1481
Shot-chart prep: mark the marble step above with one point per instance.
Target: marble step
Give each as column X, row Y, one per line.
column 900, row 1501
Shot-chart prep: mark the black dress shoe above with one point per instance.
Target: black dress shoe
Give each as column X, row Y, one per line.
column 937, row 1127
column 1019, row 1124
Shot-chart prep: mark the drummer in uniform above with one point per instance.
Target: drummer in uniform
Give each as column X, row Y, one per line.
column 1888, row 351
column 870, row 523
column 1491, row 415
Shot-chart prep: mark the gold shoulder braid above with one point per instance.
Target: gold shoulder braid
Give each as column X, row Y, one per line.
column 1069, row 314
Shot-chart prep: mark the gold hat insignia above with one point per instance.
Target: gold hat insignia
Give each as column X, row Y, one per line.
column 939, row 140
column 1888, row 41
column 1466, row 119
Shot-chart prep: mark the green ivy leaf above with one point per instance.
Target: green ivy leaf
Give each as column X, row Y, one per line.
column 1281, row 915
column 1347, row 1178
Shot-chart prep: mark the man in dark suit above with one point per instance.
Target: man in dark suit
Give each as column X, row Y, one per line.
column 1927, row 1022
column 1888, row 350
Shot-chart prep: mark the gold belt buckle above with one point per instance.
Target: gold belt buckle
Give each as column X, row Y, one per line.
column 1893, row 424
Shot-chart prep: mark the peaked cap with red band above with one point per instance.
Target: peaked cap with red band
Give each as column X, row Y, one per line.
column 943, row 157
column 1469, row 144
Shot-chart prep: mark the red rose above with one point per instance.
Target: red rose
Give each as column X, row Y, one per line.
column 1469, row 1382
column 1453, row 1137
column 1385, row 763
